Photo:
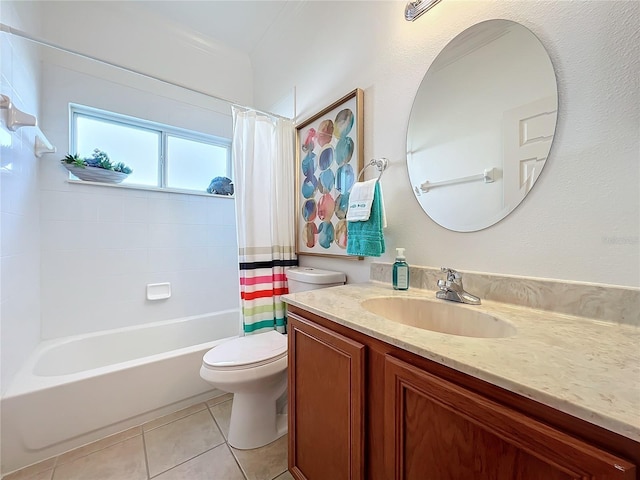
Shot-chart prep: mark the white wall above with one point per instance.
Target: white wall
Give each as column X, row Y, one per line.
column 115, row 32
column 580, row 222
column 19, row 211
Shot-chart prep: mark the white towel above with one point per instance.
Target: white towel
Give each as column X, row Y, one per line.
column 360, row 200
column 384, row 212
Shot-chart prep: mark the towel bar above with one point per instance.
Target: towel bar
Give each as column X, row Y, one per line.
column 381, row 164
column 488, row 176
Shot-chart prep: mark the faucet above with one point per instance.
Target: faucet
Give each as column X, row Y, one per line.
column 452, row 289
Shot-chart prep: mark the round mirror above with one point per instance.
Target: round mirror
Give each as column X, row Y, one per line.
column 481, row 125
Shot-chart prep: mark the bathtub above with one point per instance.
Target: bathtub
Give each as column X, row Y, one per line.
column 78, row 389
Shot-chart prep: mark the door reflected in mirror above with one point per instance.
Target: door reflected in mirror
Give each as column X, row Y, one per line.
column 482, row 125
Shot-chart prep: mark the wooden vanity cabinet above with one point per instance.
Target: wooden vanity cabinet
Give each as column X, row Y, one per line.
column 398, row 416
column 326, row 412
column 435, row 429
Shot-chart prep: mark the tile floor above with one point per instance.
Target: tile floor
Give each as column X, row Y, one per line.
column 189, row 444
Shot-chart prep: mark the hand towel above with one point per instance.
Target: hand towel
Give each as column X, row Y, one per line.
column 360, row 200
column 365, row 238
column 384, row 212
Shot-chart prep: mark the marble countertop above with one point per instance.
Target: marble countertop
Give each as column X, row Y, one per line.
column 586, row 368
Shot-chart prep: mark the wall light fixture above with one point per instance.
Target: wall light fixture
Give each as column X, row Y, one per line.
column 416, row 8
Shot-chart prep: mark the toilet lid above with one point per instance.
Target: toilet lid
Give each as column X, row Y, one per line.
column 252, row 350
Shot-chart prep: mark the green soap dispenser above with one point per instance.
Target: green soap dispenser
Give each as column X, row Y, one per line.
column 400, row 271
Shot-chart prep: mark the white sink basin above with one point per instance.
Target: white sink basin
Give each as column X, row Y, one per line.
column 439, row 316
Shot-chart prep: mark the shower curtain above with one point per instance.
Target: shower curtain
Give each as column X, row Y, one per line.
column 262, row 151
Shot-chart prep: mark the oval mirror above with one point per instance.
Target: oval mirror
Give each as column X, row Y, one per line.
column 481, row 125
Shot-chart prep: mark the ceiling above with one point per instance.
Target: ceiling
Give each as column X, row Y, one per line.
column 239, row 24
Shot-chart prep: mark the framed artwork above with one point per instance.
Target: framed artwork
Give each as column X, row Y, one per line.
column 329, row 157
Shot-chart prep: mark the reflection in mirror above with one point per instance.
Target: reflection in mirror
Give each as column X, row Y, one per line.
column 481, row 125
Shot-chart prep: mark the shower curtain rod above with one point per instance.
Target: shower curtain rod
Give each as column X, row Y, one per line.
column 22, row 34
column 272, row 115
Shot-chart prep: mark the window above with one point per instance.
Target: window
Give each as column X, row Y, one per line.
column 159, row 155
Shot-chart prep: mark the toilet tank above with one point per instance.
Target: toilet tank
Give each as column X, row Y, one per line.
column 301, row 279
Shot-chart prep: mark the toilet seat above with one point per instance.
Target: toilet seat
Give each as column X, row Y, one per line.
column 247, row 352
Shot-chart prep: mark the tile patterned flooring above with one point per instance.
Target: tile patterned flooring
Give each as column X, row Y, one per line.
column 189, row 444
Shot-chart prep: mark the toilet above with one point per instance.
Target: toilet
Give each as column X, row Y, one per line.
column 302, row 279
column 254, row 369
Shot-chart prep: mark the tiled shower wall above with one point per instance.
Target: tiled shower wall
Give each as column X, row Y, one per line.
column 19, row 208
column 102, row 245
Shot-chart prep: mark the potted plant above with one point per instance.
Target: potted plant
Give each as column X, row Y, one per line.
column 97, row 168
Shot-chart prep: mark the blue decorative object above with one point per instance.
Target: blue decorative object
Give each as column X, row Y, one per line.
column 221, row 186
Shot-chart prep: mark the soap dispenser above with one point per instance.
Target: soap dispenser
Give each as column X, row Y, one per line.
column 400, row 271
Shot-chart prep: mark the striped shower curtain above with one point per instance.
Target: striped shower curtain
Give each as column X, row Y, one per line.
column 262, row 151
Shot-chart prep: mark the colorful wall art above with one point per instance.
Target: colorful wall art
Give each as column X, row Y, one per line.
column 329, row 157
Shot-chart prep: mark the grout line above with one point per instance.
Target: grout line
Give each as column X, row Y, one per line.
column 206, row 407
column 218, row 402
column 146, row 458
column 286, row 469
column 216, row 422
column 57, row 464
column 226, row 442
column 174, row 420
column 244, row 474
column 7, row 475
column 233, row 454
column 188, row 460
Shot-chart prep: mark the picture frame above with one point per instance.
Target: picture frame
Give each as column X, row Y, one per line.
column 329, row 158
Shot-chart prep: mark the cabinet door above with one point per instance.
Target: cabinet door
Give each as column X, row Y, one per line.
column 326, row 399
column 436, row 430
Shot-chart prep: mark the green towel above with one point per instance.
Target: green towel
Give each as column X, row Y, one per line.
column 365, row 239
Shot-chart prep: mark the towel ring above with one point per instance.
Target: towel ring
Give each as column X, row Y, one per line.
column 381, row 164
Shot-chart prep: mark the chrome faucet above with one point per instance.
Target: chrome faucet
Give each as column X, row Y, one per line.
column 452, row 289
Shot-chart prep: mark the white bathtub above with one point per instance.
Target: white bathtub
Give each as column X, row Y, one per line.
column 77, row 389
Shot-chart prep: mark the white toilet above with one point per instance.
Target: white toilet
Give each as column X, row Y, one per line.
column 302, row 279
column 254, row 369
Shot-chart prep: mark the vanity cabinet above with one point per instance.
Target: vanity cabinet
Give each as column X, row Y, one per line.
column 360, row 408
column 326, row 414
column 435, row 429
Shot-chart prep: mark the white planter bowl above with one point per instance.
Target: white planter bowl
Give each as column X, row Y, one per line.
column 95, row 174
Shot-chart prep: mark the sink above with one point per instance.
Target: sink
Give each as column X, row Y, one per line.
column 439, row 316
